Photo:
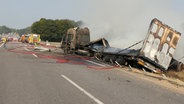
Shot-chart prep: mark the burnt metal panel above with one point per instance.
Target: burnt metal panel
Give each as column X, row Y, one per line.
column 160, row 43
column 71, row 37
column 83, row 36
column 98, row 45
column 124, row 52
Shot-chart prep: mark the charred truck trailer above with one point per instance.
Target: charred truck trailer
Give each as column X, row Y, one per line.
column 156, row 52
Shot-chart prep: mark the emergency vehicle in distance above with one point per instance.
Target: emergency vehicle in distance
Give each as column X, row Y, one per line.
column 30, row 38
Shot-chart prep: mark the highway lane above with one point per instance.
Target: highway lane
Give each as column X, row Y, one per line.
column 26, row 79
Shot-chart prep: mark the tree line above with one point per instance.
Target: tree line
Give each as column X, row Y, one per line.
column 5, row 30
column 51, row 30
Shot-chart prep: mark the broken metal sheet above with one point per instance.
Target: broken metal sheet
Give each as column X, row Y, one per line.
column 100, row 41
column 160, row 43
column 112, row 50
column 118, row 51
column 98, row 45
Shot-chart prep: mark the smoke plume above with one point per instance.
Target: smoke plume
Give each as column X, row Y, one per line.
column 125, row 22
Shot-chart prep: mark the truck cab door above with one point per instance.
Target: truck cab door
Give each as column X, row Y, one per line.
column 63, row 41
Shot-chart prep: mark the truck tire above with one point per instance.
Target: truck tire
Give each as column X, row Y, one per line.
column 121, row 60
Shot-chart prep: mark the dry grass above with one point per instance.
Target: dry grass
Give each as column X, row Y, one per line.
column 177, row 75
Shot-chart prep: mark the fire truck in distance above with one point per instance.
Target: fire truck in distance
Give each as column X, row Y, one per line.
column 30, row 38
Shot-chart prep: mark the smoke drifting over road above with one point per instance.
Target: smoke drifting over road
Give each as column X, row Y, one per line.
column 125, row 22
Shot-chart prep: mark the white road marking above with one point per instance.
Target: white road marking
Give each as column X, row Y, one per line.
column 95, row 63
column 81, row 89
column 1, row 44
column 26, row 49
column 34, row 55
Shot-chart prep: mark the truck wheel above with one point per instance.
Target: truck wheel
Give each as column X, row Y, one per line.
column 106, row 58
column 98, row 56
column 90, row 54
column 121, row 60
column 179, row 67
column 65, row 51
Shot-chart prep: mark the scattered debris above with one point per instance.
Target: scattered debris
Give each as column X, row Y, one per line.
column 40, row 48
column 47, row 43
column 130, row 67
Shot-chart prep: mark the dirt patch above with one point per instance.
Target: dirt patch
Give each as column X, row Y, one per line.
column 171, row 84
column 176, row 75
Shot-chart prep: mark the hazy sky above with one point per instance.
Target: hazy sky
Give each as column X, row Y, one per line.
column 116, row 20
column 22, row 13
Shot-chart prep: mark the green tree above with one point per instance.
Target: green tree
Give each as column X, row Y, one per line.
column 52, row 30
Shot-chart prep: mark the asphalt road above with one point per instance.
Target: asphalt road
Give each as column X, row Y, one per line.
column 27, row 78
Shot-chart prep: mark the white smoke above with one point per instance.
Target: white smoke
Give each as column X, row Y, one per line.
column 124, row 22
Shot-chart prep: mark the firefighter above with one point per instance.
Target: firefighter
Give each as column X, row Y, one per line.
column 4, row 40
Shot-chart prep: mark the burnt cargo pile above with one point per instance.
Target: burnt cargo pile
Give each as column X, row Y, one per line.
column 155, row 54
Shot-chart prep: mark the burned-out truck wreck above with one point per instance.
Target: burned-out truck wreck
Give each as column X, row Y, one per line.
column 155, row 54
column 75, row 40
